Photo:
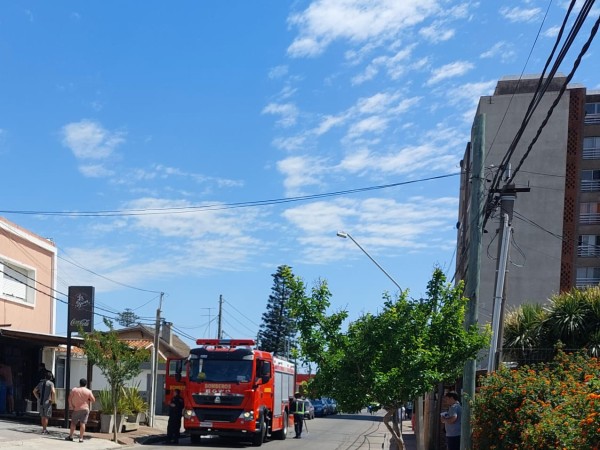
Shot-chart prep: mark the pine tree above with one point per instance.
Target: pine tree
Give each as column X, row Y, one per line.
column 278, row 330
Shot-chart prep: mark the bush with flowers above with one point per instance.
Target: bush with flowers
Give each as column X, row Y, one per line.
column 554, row 405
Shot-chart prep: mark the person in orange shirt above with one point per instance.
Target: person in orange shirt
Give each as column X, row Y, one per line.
column 80, row 401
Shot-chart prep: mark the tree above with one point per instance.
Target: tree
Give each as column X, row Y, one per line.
column 571, row 319
column 278, row 329
column 117, row 361
column 127, row 318
column 391, row 357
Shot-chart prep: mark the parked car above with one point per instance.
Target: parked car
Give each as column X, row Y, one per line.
column 309, row 410
column 332, row 405
column 319, row 407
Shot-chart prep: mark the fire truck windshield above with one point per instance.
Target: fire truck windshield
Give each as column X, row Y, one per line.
column 216, row 370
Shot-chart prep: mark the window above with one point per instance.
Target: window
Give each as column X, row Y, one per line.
column 16, row 283
column 588, row 245
column 591, row 147
column 592, row 113
column 587, row 276
column 589, row 213
column 590, row 180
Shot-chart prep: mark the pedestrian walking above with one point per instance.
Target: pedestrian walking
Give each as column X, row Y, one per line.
column 451, row 420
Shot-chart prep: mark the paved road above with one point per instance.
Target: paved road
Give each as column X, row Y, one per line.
column 340, row 432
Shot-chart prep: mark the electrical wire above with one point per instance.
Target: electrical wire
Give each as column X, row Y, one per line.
column 217, row 206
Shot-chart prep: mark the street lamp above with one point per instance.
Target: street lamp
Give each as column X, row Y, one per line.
column 345, row 235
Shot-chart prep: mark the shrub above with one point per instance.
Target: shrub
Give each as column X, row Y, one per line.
column 554, row 405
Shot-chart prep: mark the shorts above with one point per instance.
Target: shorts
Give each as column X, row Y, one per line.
column 80, row 416
column 46, row 409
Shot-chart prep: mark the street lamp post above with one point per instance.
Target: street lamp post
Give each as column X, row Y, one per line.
column 345, row 235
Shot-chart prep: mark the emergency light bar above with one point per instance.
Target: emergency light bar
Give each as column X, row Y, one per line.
column 226, row 342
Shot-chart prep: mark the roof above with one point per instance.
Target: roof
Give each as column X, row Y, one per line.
column 142, row 335
column 38, row 338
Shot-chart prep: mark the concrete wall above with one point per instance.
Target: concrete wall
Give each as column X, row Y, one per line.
column 534, row 271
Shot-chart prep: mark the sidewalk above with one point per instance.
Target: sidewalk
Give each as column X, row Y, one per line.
column 15, row 434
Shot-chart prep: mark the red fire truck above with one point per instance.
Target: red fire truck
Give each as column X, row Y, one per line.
column 231, row 389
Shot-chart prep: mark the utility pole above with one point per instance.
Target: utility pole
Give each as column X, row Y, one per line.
column 476, row 212
column 154, row 366
column 508, row 195
column 220, row 323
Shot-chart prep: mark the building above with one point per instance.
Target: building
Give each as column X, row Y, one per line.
column 555, row 244
column 27, row 311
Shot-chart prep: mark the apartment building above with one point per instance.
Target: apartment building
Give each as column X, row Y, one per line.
column 555, row 243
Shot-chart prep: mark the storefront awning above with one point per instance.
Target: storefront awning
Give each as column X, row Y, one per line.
column 38, row 338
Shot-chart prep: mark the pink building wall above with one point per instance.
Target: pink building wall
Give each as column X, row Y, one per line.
column 25, row 249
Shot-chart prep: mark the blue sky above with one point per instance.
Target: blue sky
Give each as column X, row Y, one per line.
column 147, row 106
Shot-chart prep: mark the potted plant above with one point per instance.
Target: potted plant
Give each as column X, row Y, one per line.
column 135, row 403
column 107, row 419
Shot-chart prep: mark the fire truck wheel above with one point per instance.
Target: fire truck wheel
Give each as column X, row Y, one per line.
column 282, row 434
column 259, row 436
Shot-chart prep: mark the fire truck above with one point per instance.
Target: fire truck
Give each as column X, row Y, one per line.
column 231, row 389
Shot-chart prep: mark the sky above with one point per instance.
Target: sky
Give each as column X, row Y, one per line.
column 227, row 138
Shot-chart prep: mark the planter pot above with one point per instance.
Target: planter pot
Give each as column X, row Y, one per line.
column 134, row 418
column 107, row 423
column 120, row 422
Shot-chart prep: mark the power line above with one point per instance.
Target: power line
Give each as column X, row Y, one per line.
column 218, row 206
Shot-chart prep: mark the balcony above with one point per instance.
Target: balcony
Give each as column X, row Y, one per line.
column 589, row 218
column 591, row 153
column 590, row 185
column 584, row 282
column 592, row 119
column 588, row 250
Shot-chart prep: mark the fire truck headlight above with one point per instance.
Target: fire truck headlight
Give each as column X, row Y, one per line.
column 188, row 413
column 248, row 416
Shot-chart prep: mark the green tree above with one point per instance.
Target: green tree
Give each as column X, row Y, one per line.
column 127, row 318
column 572, row 318
column 117, row 361
column 390, row 357
column 278, row 329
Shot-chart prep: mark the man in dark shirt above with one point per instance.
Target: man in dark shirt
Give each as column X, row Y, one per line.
column 175, row 413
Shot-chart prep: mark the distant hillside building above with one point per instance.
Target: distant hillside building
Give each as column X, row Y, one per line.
column 556, row 239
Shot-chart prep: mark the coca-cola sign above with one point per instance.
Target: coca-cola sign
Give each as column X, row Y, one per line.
column 81, row 308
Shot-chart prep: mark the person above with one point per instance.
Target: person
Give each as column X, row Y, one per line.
column 42, row 371
column 45, row 394
column 298, row 408
column 6, row 376
column 80, row 401
column 175, row 413
column 409, row 410
column 451, row 420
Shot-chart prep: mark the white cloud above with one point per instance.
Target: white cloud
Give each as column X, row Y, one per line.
column 451, row 70
column 385, row 225
column 291, row 143
column 89, row 140
column 95, row 171
column 551, row 32
column 287, row 111
column 502, row 50
column 436, row 32
column 517, row 14
column 373, row 124
column 278, row 72
column 301, row 171
column 325, row 21
column 395, row 65
column 328, row 123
